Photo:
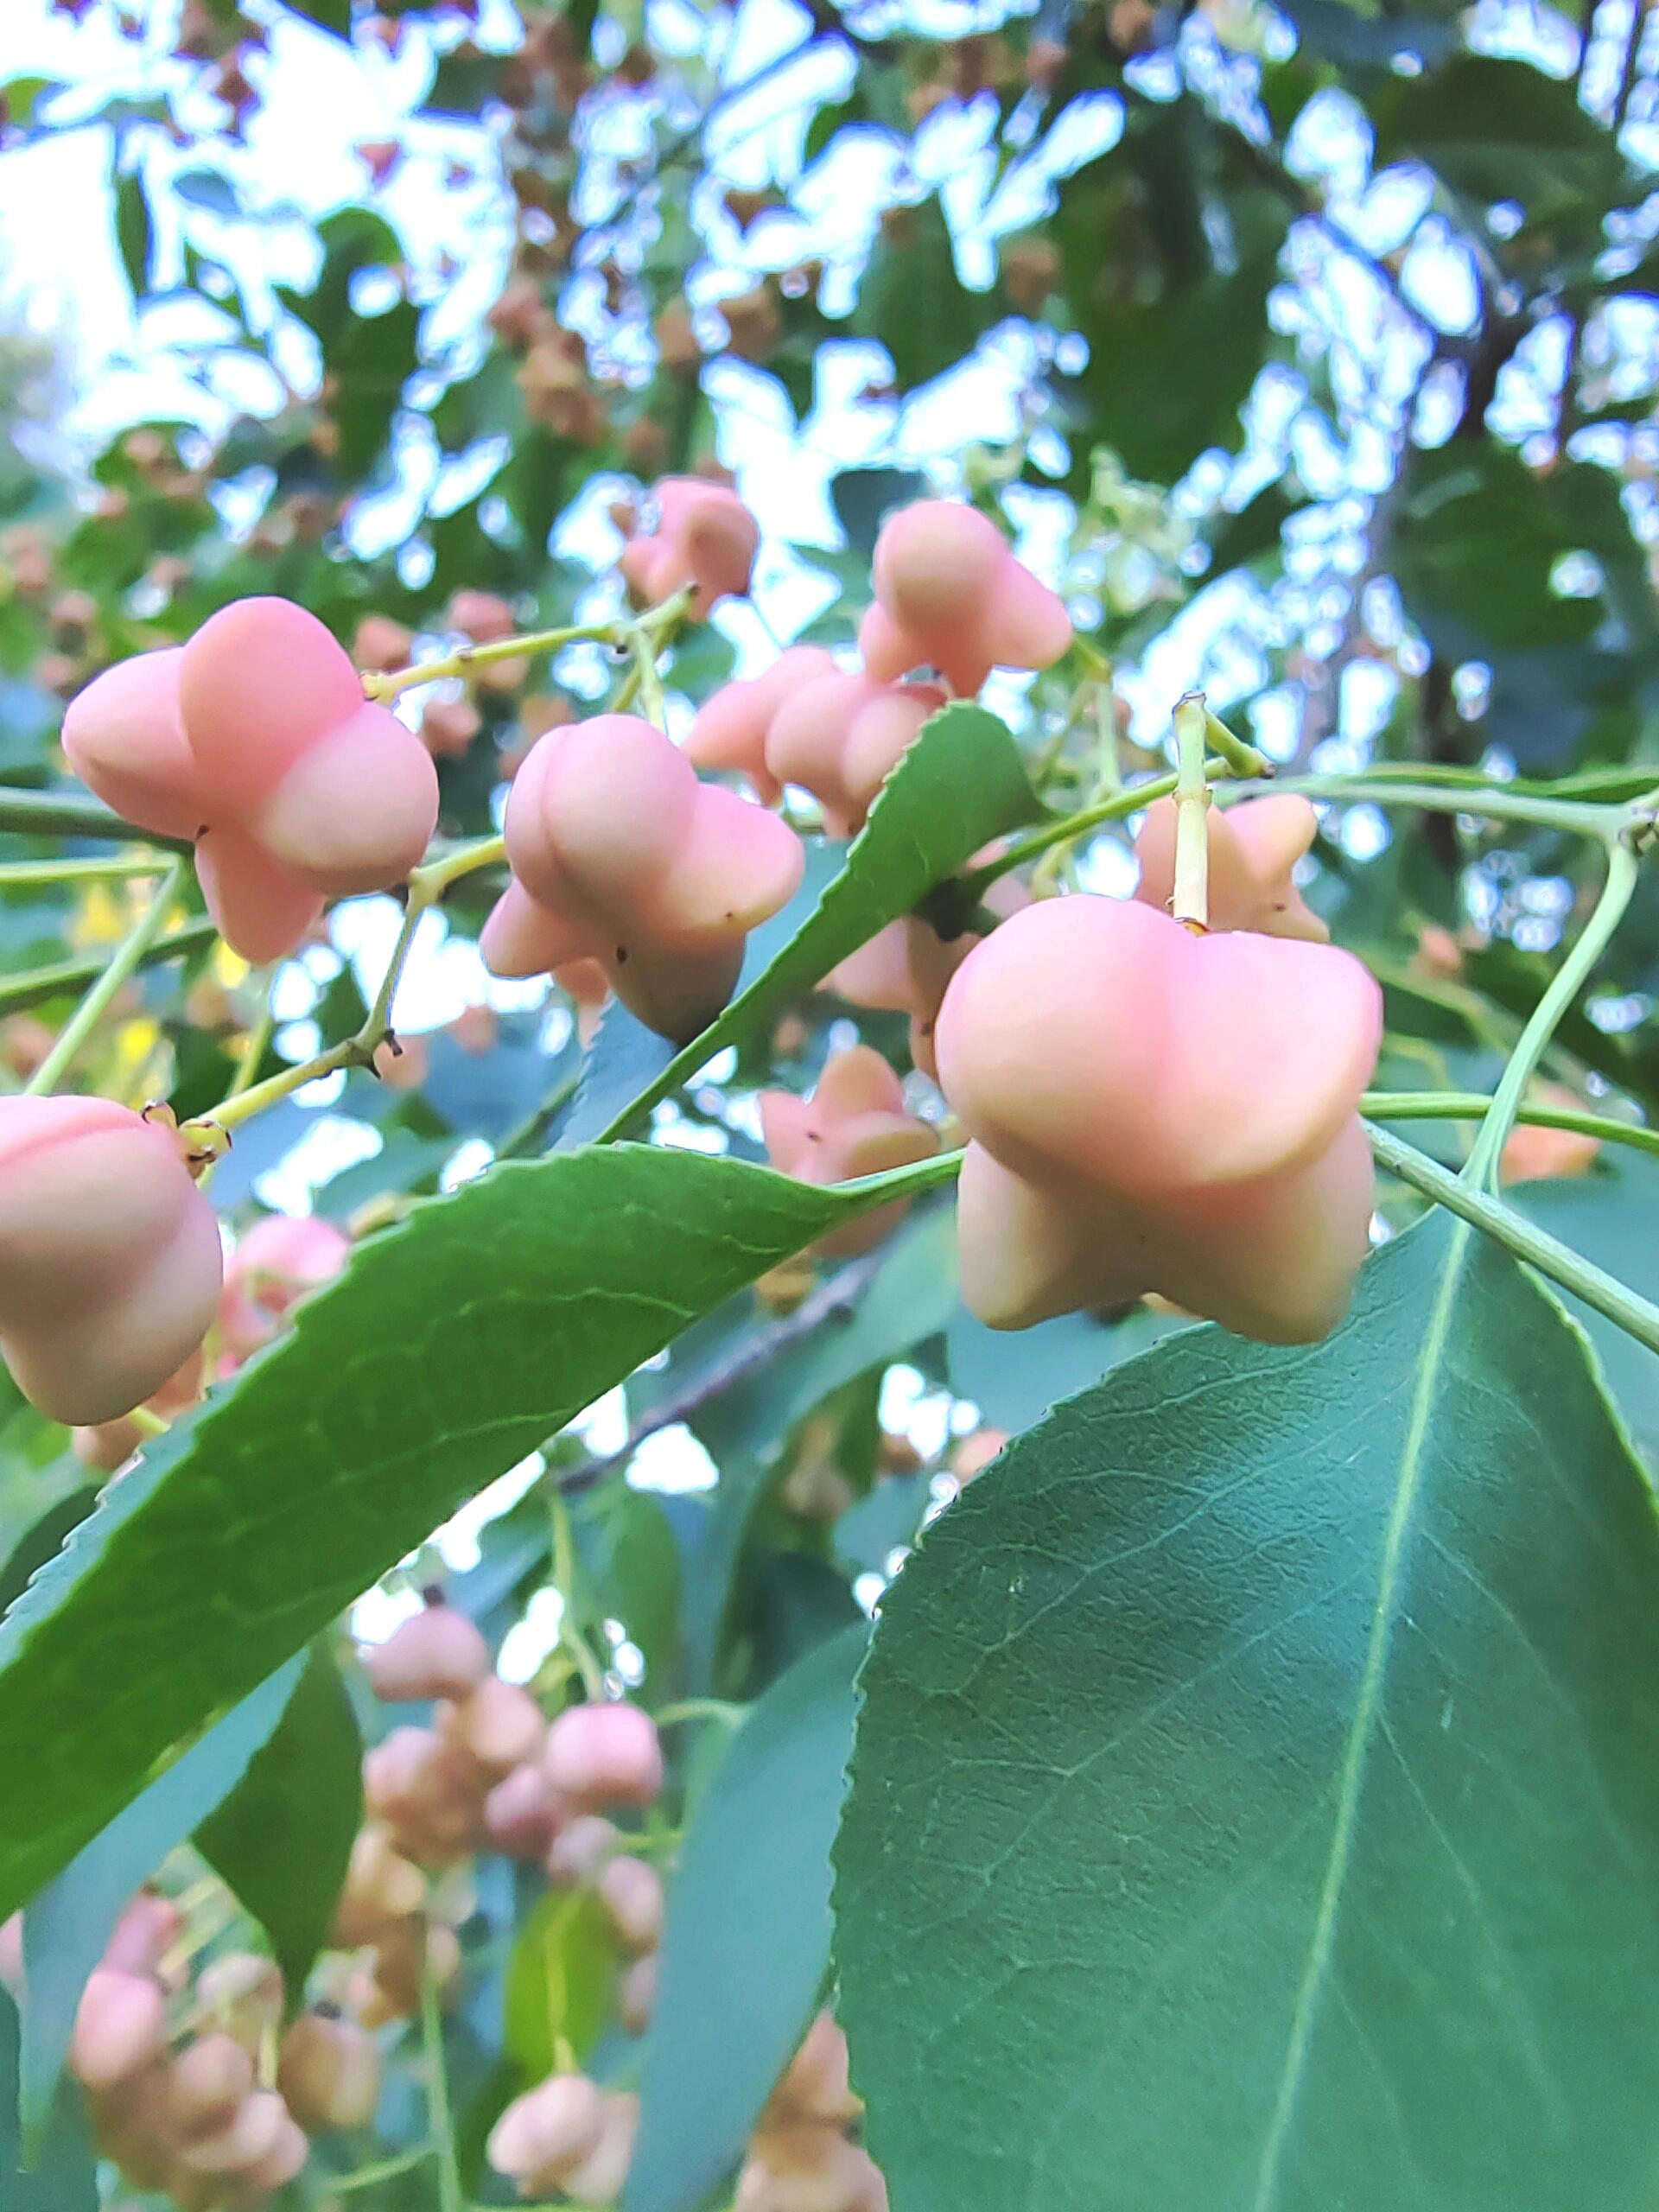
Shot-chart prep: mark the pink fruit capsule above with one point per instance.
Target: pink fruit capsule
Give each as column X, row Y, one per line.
column 705, row 539
column 950, row 594
column 729, row 731
column 437, row 1652
column 856, row 1123
column 110, row 1257
column 604, row 1754
column 1254, row 849
column 272, row 1269
column 120, row 2029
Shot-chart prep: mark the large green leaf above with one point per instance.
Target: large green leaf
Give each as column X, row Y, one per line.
column 454, row 1344
column 561, row 1980
column 284, row 1836
column 1256, row 1800
column 960, row 784
column 68, row 1925
column 1495, row 129
column 746, row 1941
column 66, row 2178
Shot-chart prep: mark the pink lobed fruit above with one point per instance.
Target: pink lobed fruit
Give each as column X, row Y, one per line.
column 729, row 731
column 499, row 1725
column 1254, row 849
column 598, row 2178
column 604, row 1754
column 841, row 736
column 808, row 2168
column 580, row 1848
column 856, row 1123
column 521, row 1814
column 814, row 2086
column 279, row 1260
column 550, row 2128
column 207, row 2085
column 705, row 539
column 950, row 594
column 329, row 2071
column 619, row 855
column 120, row 2029
column 1195, row 1135
column 255, row 739
column 110, row 1257
column 907, row 967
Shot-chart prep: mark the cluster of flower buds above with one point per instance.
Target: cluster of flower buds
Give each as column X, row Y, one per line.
column 255, row 739
column 194, row 2088
column 802, row 2157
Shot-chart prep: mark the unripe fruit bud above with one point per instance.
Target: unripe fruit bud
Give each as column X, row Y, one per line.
column 521, row 1814
column 499, row 1724
column 636, row 1994
column 809, row 2169
column 381, row 1889
column 548, row 2130
column 856, row 1123
column 483, row 616
column 705, row 537
column 110, row 1258
column 598, row 2178
column 280, row 1260
column 251, row 2133
column 206, row 2086
column 120, row 2029
column 435, row 1653
column 949, row 595
column 975, row 1453
column 380, row 645
column 428, row 1792
column 580, row 1849
column 242, row 1994
column 449, row 727
column 329, row 2073
column 604, row 1754
column 1533, row 1153
column 1254, row 849
column 814, row 2085
column 281, row 2163
column 631, row 1890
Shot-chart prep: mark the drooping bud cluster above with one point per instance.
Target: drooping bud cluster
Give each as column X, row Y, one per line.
column 1254, row 849
column 802, row 2157
column 618, row 854
column 190, row 2119
column 1152, row 1110
column 856, row 1123
column 255, row 741
column 705, row 540
column 109, row 1258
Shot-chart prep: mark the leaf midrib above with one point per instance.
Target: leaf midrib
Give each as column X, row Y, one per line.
column 1367, row 1710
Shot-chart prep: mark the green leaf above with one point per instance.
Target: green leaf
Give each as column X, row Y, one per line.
column 560, row 1980
column 333, row 15
column 1255, row 1801
column 134, row 234
column 1612, row 1215
column 630, row 1573
column 67, row 1926
column 65, row 2179
column 283, row 1839
column 1493, row 129
column 1014, row 1376
column 746, row 1429
column 863, row 497
column 960, row 784
column 454, row 1344
column 912, row 302
column 746, row 1942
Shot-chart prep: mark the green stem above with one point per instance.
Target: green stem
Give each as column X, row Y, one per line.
column 1475, row 1105
column 240, row 1106
column 652, row 704
column 1579, row 816
column 385, row 689
column 563, row 1567
column 387, row 2170
column 1189, row 900
column 70, row 814
column 1623, row 869
column 91, row 1011
column 704, row 1708
column 451, row 2196
column 40, row 986
column 974, row 883
column 1602, row 1292
column 25, row 876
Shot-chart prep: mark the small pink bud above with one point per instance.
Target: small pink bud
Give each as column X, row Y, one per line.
column 598, row 2179
column 604, row 1754
column 730, row 728
column 207, row 2084
column 251, row 2133
column 382, row 1888
column 146, row 1931
column 579, row 1849
column 522, row 1814
column 705, row 537
column 856, row 1123
column 631, row 1890
column 814, row 2085
column 437, row 1652
column 120, row 2029
column 636, row 1994
column 499, row 1724
column 273, row 1267
column 550, row 2128
column 329, row 2073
